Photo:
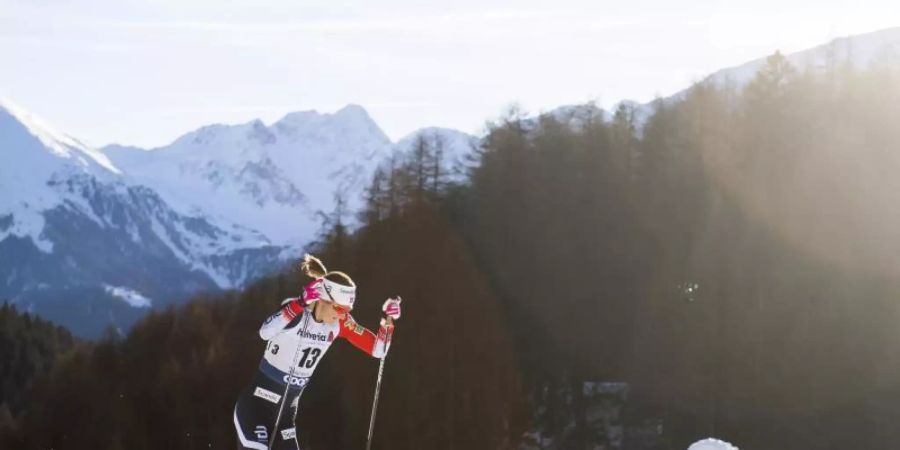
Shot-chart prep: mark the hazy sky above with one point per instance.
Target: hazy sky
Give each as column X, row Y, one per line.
column 143, row 73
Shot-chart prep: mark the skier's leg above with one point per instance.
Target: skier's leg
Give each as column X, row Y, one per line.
column 255, row 413
column 249, row 422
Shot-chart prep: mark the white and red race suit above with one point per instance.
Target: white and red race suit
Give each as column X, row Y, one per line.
column 293, row 333
column 296, row 344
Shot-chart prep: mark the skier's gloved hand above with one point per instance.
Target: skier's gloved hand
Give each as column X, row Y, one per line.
column 391, row 308
column 383, row 338
column 310, row 292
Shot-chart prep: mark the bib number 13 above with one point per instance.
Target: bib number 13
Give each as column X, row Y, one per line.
column 310, row 356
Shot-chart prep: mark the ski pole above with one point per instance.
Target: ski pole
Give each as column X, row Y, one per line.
column 375, row 403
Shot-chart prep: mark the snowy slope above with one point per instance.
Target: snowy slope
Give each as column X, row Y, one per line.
column 34, row 153
column 860, row 51
column 275, row 179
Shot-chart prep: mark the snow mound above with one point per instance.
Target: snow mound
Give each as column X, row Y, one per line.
column 711, row 444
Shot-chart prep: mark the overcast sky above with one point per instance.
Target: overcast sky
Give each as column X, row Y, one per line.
column 143, row 73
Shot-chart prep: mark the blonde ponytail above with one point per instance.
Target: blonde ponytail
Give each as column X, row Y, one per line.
column 313, row 267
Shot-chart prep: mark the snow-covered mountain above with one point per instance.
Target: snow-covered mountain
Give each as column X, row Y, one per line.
column 85, row 245
column 276, row 179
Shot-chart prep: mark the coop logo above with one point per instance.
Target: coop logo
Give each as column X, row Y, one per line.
column 295, row 381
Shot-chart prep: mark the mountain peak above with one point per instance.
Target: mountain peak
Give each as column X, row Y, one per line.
column 28, row 132
column 222, row 134
column 352, row 119
column 353, row 110
column 38, row 127
column 298, row 116
column 312, row 117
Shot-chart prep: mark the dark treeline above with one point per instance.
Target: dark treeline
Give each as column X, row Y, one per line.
column 29, row 346
column 733, row 260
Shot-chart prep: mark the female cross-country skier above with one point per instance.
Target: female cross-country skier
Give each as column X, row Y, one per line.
column 298, row 336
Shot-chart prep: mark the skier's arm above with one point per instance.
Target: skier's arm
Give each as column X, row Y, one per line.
column 365, row 340
column 276, row 323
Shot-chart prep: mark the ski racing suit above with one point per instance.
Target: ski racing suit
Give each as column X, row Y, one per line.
column 296, row 344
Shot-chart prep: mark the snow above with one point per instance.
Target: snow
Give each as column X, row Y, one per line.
column 130, row 296
column 80, row 204
column 28, row 222
column 194, row 249
column 711, row 444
